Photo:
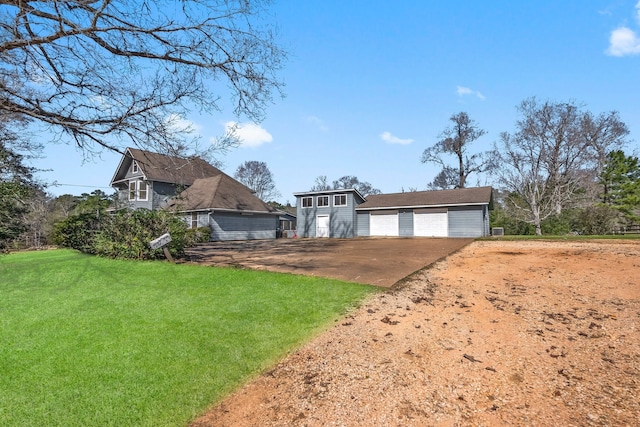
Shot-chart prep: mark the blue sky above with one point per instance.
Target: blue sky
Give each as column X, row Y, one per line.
column 371, row 84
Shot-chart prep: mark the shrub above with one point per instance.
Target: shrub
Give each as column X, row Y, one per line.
column 127, row 233
column 597, row 220
column 77, row 232
column 198, row 235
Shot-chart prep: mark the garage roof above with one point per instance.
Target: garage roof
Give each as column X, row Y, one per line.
column 419, row 199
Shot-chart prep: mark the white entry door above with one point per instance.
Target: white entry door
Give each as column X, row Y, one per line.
column 322, row 226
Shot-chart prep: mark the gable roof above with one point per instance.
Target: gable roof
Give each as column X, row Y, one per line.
column 219, row 192
column 418, row 199
column 164, row 168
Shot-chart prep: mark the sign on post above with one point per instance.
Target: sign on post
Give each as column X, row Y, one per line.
column 162, row 242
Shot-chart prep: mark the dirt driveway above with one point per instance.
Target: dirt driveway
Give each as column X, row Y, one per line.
column 498, row 334
column 372, row 261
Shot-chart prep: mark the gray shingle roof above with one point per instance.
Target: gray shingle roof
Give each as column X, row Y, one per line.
column 457, row 197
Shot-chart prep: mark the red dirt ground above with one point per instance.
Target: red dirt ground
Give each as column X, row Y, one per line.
column 500, row 333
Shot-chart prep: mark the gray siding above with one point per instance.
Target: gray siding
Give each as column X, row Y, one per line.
column 230, row 226
column 306, row 226
column 342, row 219
column 467, row 221
column 362, row 220
column 405, row 222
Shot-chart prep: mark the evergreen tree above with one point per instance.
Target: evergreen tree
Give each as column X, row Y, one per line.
column 620, row 180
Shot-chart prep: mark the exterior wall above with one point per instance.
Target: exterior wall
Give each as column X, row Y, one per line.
column 405, row 221
column 363, row 224
column 231, row 226
column 467, row 221
column 342, row 219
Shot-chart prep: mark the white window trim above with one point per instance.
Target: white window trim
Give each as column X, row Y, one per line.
column 346, row 200
column 323, row 197
column 136, row 191
column 138, row 183
column 133, row 191
column 302, row 202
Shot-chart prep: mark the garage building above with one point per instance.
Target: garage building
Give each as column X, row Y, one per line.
column 461, row 212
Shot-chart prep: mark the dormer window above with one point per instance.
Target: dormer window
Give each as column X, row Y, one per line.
column 134, row 167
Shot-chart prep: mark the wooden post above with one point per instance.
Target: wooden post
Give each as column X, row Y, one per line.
column 162, row 242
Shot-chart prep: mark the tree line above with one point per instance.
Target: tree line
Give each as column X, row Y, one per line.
column 562, row 169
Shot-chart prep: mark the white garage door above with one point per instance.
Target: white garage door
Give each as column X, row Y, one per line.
column 384, row 225
column 430, row 223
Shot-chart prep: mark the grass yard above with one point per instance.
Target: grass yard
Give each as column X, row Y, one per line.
column 86, row 341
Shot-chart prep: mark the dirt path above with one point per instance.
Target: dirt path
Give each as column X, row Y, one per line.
column 501, row 333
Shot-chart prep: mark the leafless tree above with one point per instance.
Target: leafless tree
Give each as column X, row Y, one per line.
column 455, row 141
column 604, row 133
column 545, row 163
column 257, row 176
column 111, row 73
column 321, row 184
column 346, row 182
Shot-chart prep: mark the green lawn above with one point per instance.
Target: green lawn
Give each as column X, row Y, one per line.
column 86, row 341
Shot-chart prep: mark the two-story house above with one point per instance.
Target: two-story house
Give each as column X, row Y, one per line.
column 200, row 192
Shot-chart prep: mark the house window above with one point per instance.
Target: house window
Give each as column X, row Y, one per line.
column 142, row 190
column 194, row 219
column 340, row 200
column 307, row 202
column 323, row 201
column 134, row 168
column 132, row 190
column 138, row 190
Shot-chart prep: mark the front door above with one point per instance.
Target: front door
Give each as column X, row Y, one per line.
column 322, row 226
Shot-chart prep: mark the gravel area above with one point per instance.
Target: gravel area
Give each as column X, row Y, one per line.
column 500, row 333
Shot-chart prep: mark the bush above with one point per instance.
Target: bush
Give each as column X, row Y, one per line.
column 198, row 235
column 126, row 234
column 77, row 232
column 597, row 220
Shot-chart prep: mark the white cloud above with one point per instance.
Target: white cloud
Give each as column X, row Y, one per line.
column 180, row 124
column 318, row 122
column 392, row 139
column 248, row 134
column 623, row 40
column 462, row 91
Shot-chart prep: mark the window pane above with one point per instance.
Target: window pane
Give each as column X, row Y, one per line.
column 307, row 202
column 340, row 200
column 323, row 201
column 132, row 190
column 142, row 190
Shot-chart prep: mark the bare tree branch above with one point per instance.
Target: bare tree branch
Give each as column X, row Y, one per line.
column 110, row 72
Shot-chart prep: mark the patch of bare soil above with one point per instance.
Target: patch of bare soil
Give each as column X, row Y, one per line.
column 500, row 333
